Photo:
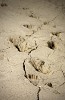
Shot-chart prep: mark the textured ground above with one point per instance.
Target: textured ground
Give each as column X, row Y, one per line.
column 32, row 50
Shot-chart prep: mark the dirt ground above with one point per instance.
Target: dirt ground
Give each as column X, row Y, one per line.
column 32, row 50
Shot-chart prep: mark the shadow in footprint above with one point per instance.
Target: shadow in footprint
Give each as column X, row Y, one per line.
column 25, row 8
column 33, row 79
column 3, row 4
column 56, row 33
column 28, row 26
column 51, row 44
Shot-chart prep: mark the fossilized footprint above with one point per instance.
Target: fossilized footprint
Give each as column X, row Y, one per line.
column 16, row 40
column 26, row 46
column 23, row 45
column 39, row 65
column 33, row 79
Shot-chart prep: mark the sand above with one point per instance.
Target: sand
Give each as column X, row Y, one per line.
column 32, row 50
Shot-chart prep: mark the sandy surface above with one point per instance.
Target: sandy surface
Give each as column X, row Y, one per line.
column 32, row 50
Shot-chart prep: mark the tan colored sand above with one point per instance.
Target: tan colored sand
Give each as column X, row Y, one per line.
column 26, row 28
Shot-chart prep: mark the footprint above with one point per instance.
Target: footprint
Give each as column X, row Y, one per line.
column 16, row 40
column 25, row 8
column 32, row 15
column 23, row 45
column 3, row 4
column 33, row 79
column 28, row 26
column 51, row 44
column 56, row 33
column 27, row 46
column 49, row 84
column 39, row 65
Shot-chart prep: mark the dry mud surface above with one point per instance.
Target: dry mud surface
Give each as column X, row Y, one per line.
column 32, row 50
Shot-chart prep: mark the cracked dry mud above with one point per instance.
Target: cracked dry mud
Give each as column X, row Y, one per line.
column 32, row 50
